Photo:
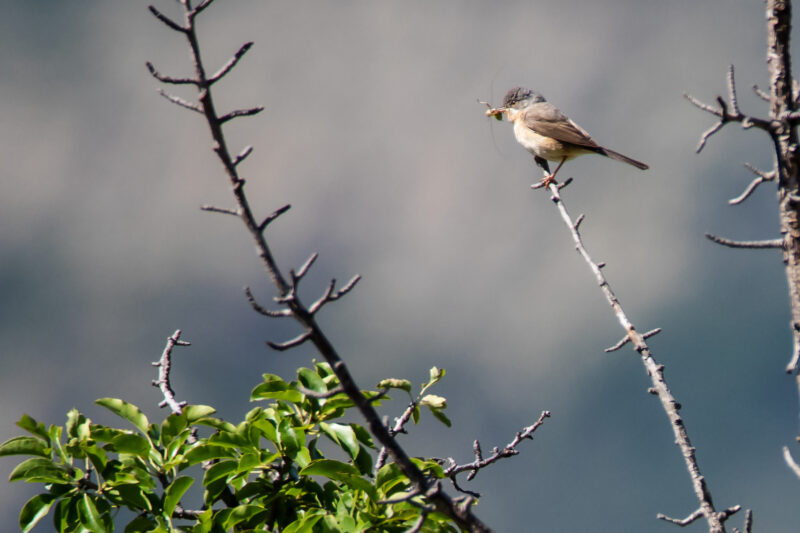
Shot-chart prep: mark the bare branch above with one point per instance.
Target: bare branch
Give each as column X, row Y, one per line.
column 732, row 92
column 509, row 450
column 762, row 177
column 787, row 456
column 163, row 382
column 682, row 522
column 200, row 7
column 761, row 94
column 656, row 373
column 263, row 310
column 461, row 515
column 223, row 210
column 748, row 521
column 169, row 22
column 726, row 116
column 330, row 295
column 242, row 155
column 297, row 341
column 275, row 214
column 303, row 270
column 227, row 67
column 169, row 79
column 240, row 113
column 180, row 101
column 753, row 245
column 626, row 339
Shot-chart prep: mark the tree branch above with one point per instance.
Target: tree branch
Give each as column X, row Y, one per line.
column 656, row 373
column 462, row 515
column 164, row 364
column 753, row 245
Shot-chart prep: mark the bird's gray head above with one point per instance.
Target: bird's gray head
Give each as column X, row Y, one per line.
column 520, row 97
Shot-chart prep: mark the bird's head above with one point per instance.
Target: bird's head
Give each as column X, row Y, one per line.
column 520, row 97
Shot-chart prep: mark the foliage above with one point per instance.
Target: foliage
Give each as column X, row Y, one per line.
column 267, row 473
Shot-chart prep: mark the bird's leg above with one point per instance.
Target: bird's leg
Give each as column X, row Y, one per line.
column 550, row 177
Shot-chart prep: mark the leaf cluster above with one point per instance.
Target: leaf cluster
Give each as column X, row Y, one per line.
column 269, row 472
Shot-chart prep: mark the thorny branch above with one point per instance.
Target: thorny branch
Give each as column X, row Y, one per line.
column 164, row 365
column 783, row 98
column 714, row 518
column 287, row 288
column 480, row 462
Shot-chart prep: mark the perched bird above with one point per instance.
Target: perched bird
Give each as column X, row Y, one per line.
column 543, row 130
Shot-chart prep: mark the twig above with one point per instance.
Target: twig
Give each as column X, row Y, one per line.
column 682, row 521
column 312, row 332
column 227, row 67
column 656, row 373
column 480, row 462
column 787, row 456
column 753, row 245
column 292, row 343
column 164, row 365
column 626, row 339
column 223, row 210
column 761, row 178
column 258, row 308
column 724, row 115
column 180, row 101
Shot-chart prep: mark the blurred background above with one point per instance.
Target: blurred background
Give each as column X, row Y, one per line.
column 372, row 132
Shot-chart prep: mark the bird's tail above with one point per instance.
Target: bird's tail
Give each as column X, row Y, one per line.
column 625, row 159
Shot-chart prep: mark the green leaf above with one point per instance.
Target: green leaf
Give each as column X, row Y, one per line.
column 32, row 426
column 237, row 515
column 329, row 468
column 174, row 493
column 24, row 446
column 394, row 383
column 441, row 417
column 219, row 471
column 126, row 410
column 77, row 425
column 343, row 435
column 290, row 438
column 338, row 471
column 39, row 470
column 275, row 388
column 133, row 444
column 216, row 423
column 433, row 401
column 415, row 413
column 363, row 460
column 171, row 426
column 306, row 523
column 132, row 495
column 267, row 429
column 363, row 435
column 34, row 510
column 89, row 515
column 194, row 413
column 139, row 524
column 311, row 380
column 435, row 374
column 207, row 452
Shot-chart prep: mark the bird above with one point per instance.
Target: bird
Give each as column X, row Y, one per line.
column 547, row 133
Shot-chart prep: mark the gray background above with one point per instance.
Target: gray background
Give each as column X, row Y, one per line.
column 372, row 132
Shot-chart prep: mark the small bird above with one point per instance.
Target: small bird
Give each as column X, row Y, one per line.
column 543, row 130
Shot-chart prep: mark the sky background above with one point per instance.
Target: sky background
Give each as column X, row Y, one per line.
column 372, row 132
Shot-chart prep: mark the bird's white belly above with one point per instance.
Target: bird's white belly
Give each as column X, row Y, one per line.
column 545, row 147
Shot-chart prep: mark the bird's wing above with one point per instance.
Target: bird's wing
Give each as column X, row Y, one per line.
column 546, row 119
